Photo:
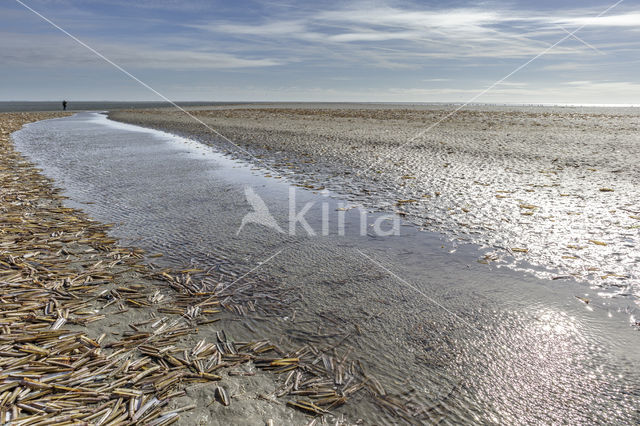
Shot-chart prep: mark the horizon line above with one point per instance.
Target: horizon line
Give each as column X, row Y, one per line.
column 560, row 104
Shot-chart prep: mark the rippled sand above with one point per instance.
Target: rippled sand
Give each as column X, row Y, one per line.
column 472, row 344
column 553, row 190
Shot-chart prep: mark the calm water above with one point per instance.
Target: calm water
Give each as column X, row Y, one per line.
column 464, row 341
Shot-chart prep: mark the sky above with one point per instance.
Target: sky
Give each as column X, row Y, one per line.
column 361, row 51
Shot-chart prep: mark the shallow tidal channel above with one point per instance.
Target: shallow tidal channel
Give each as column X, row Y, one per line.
column 457, row 340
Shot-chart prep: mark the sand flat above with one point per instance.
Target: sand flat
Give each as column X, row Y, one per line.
column 533, row 184
column 466, row 350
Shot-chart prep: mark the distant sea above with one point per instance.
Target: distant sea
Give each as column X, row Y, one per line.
column 16, row 106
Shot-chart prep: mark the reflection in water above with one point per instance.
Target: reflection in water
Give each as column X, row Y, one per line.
column 498, row 346
column 538, row 368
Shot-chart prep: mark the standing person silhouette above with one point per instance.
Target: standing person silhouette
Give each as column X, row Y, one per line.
column 64, row 105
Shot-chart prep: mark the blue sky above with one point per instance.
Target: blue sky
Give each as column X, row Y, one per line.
column 387, row 51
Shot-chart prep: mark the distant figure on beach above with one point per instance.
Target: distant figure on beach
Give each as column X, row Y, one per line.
column 64, row 105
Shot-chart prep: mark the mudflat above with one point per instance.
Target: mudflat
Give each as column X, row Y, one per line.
column 551, row 190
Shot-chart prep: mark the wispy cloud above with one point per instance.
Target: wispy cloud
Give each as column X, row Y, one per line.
column 631, row 19
column 268, row 29
column 437, row 33
column 464, row 20
column 52, row 51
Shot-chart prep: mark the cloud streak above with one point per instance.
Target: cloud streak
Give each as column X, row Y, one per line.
column 54, row 51
column 627, row 20
column 445, row 33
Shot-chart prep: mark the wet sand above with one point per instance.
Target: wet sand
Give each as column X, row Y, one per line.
column 548, row 190
column 474, row 343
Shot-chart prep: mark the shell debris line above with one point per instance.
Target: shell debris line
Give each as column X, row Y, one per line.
column 70, row 352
